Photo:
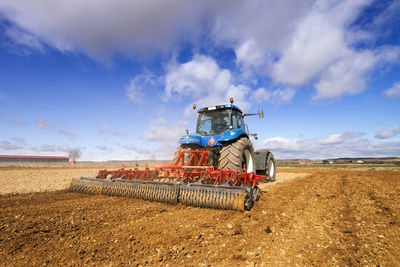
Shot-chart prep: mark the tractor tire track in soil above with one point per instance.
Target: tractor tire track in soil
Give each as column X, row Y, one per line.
column 332, row 217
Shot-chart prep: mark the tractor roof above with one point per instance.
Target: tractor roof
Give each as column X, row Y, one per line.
column 219, row 107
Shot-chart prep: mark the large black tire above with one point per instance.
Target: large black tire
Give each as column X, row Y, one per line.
column 184, row 147
column 238, row 155
column 270, row 170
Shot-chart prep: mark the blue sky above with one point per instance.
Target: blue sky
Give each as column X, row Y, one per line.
column 117, row 79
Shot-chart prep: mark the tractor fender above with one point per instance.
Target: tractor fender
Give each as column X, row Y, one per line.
column 232, row 134
column 261, row 159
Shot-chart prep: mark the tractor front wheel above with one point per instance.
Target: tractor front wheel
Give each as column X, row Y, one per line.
column 237, row 155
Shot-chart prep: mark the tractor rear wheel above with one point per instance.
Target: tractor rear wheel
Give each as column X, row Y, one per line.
column 238, row 155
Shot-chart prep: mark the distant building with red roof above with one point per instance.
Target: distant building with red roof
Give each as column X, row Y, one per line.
column 15, row 159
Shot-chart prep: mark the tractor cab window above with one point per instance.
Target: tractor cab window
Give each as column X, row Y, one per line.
column 236, row 120
column 213, row 122
column 241, row 122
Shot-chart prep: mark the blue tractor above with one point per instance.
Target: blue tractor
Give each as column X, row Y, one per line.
column 221, row 140
column 222, row 131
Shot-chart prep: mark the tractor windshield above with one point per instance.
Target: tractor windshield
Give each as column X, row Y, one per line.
column 213, row 122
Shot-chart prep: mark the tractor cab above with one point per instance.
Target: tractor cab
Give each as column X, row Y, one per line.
column 218, row 124
column 219, row 119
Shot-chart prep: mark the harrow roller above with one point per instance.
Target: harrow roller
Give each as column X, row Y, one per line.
column 213, row 197
column 146, row 190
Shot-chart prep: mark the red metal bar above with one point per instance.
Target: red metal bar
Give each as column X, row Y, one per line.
column 188, row 172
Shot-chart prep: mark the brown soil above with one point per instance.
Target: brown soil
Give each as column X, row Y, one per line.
column 40, row 179
column 329, row 217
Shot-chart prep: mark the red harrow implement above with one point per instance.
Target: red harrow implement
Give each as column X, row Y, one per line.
column 191, row 183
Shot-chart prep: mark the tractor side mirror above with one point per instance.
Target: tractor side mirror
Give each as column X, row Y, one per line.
column 261, row 114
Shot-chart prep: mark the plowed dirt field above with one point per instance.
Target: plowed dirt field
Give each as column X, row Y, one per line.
column 309, row 217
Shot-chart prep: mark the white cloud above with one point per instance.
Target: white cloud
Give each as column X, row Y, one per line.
column 261, row 25
column 252, row 58
column 19, row 139
column 44, row 148
column 66, row 132
column 42, row 123
column 6, row 145
column 292, row 43
column 19, row 146
column 66, row 148
column 317, row 48
column 51, row 148
column 205, row 83
column 143, row 152
column 321, row 49
column 283, row 95
column 110, row 130
column 130, row 147
column 163, row 134
column 24, row 39
column 383, row 22
column 317, row 42
column 101, row 28
column 394, row 91
column 349, row 144
column 275, row 96
column 384, row 134
column 348, row 76
column 260, row 95
column 145, row 81
column 17, row 121
column 195, row 77
column 345, row 77
column 105, row 148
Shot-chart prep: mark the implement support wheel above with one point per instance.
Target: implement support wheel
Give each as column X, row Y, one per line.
column 270, row 170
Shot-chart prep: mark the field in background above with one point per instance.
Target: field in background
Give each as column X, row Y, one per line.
column 340, row 166
column 42, row 178
column 390, row 162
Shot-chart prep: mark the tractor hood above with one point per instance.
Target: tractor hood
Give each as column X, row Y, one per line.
column 191, row 139
column 212, row 140
column 197, row 139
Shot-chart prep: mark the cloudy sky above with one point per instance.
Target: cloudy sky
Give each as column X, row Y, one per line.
column 116, row 79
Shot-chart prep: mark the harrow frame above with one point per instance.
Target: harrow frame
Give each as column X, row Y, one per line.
column 191, row 183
